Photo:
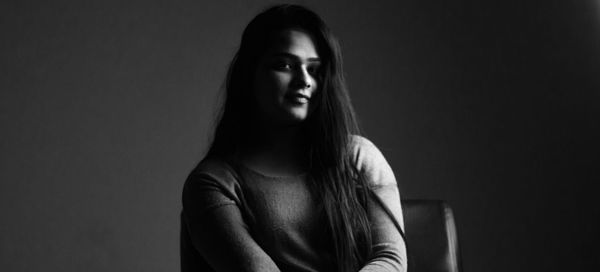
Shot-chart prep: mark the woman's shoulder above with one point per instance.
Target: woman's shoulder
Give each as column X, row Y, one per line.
column 210, row 184
column 364, row 151
column 370, row 162
column 359, row 142
column 213, row 170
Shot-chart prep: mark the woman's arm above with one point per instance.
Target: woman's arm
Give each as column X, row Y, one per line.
column 217, row 229
column 389, row 248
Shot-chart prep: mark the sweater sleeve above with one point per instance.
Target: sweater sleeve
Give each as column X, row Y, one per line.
column 389, row 249
column 212, row 202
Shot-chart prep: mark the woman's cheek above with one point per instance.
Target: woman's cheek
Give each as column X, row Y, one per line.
column 281, row 79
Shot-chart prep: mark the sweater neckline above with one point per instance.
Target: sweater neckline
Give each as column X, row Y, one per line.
column 256, row 172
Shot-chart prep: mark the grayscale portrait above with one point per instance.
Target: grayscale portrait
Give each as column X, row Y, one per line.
column 325, row 136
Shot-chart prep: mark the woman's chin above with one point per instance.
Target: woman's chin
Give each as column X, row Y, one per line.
column 297, row 114
column 293, row 117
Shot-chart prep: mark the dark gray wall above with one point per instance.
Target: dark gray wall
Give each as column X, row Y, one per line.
column 106, row 106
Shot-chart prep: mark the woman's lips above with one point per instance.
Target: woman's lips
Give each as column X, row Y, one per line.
column 298, row 98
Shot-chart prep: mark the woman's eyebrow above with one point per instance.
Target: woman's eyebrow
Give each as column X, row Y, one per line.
column 292, row 56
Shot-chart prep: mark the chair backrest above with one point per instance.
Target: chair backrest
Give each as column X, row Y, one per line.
column 432, row 242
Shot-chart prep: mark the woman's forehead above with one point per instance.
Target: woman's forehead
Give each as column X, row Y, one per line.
column 294, row 42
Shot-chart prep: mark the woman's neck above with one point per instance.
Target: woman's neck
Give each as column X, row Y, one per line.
column 276, row 150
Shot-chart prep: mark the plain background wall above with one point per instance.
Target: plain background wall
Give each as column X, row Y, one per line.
column 105, row 106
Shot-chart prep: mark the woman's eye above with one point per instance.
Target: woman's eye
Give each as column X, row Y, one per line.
column 313, row 70
column 283, row 66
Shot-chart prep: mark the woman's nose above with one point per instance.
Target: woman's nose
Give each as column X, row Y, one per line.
column 302, row 78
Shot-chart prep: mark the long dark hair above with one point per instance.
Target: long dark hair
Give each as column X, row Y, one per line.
column 330, row 127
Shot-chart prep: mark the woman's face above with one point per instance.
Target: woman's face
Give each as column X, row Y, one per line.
column 285, row 82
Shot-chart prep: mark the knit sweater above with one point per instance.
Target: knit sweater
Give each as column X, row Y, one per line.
column 242, row 220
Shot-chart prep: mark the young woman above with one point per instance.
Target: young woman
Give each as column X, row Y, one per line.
column 288, row 185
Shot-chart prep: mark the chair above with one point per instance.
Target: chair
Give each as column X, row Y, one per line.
column 432, row 242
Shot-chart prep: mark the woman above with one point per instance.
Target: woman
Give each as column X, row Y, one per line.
column 288, row 185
